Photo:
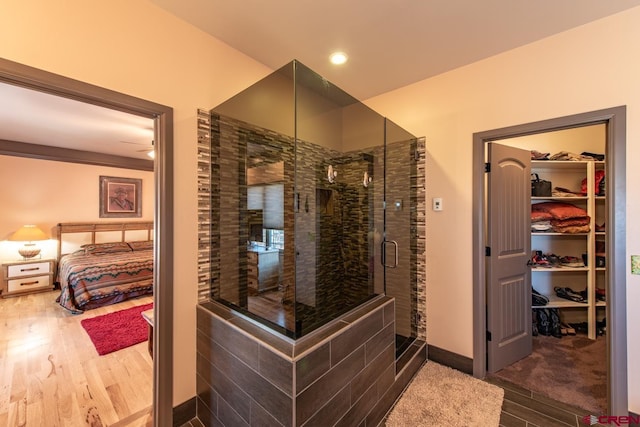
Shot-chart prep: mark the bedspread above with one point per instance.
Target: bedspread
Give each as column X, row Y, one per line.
column 89, row 281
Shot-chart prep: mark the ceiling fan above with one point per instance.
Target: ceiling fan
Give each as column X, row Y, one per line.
column 147, row 147
column 151, row 152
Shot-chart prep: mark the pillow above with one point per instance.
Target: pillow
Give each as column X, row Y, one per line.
column 559, row 210
column 106, row 248
column 539, row 216
column 141, row 245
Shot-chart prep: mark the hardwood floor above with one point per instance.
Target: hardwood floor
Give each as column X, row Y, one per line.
column 51, row 374
column 269, row 305
column 526, row 408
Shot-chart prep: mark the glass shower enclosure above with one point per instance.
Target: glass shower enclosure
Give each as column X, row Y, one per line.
column 314, row 205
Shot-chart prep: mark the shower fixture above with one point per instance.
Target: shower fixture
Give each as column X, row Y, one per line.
column 366, row 179
column 331, row 174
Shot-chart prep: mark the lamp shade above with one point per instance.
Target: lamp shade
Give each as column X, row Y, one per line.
column 28, row 233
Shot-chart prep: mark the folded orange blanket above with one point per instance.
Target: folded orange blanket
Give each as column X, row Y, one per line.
column 559, row 210
column 571, row 222
column 572, row 229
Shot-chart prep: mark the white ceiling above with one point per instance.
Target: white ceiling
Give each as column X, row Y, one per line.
column 39, row 118
column 390, row 43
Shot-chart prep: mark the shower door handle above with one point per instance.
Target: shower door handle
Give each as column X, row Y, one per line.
column 384, row 253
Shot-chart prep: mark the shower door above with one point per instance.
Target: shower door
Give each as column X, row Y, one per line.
column 399, row 249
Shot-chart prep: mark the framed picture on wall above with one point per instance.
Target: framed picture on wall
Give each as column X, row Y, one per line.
column 120, row 197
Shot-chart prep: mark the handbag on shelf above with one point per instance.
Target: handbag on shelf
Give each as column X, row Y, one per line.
column 540, row 187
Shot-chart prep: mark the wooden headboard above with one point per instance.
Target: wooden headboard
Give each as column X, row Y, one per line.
column 72, row 235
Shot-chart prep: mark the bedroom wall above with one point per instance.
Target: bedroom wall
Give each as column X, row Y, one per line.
column 47, row 193
column 588, row 68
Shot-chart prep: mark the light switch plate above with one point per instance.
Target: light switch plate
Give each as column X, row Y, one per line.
column 635, row 264
column 437, row 204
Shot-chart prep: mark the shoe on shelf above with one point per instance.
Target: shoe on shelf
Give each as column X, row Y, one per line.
column 538, row 299
column 584, row 294
column 553, row 259
column 569, row 294
column 571, row 261
column 580, row 327
column 568, row 328
column 538, row 259
column 601, row 294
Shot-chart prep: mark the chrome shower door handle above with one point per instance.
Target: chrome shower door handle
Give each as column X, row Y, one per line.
column 384, row 253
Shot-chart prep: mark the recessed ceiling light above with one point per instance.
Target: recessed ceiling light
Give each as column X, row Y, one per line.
column 338, row 58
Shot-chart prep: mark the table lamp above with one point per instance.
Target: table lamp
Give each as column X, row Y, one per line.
column 28, row 234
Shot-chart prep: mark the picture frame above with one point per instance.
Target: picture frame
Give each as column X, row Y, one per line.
column 120, row 197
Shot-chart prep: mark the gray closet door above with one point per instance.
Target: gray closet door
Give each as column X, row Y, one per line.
column 509, row 240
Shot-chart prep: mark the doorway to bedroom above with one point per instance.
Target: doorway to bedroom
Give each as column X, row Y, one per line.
column 61, row 364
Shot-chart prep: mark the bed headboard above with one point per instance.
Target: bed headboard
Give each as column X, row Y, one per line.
column 72, row 235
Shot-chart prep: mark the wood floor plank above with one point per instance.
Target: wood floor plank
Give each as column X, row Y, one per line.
column 51, row 374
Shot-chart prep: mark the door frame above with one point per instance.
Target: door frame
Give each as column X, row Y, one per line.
column 616, row 313
column 43, row 81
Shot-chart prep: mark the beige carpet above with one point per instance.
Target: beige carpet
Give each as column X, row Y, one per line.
column 572, row 370
column 441, row 396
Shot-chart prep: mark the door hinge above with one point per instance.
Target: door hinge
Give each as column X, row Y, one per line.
column 487, row 251
column 487, row 167
column 488, row 336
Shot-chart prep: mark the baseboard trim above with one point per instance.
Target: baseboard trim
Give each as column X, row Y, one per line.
column 184, row 412
column 450, row 359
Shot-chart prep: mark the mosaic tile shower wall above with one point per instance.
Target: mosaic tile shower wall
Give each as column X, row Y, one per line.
column 418, row 246
column 331, row 234
column 206, row 161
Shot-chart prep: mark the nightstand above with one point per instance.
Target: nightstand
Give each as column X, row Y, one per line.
column 23, row 277
column 148, row 316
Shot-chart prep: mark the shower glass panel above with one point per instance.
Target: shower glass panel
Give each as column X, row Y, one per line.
column 339, row 142
column 298, row 204
column 401, row 232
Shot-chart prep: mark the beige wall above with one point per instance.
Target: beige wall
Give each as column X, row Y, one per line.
column 45, row 193
column 589, row 68
column 133, row 47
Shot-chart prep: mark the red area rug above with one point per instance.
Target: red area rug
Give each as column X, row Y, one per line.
column 118, row 330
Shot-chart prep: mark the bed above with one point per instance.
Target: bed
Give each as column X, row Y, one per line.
column 103, row 263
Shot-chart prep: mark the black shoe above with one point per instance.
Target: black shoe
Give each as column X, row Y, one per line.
column 538, row 299
column 544, row 325
column 581, row 327
column 555, row 323
column 570, row 294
